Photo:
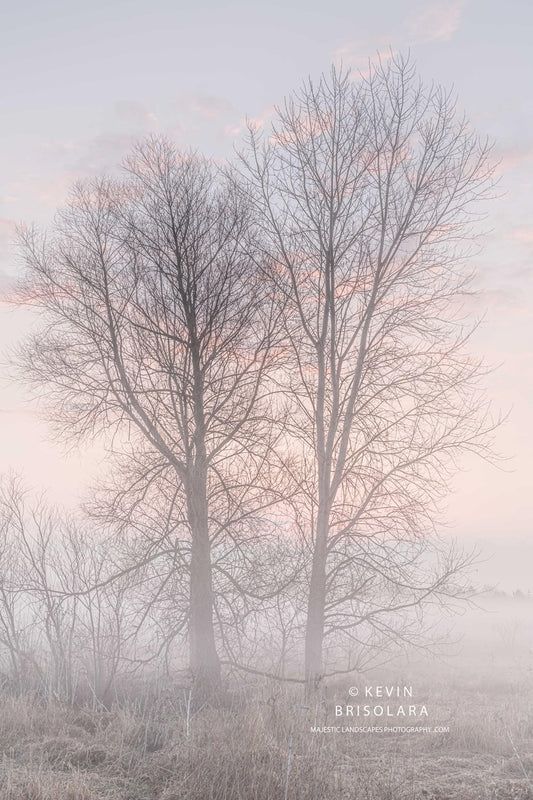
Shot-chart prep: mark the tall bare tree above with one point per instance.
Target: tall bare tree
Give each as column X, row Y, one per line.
column 366, row 190
column 159, row 330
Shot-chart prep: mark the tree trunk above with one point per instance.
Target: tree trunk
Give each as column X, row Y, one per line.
column 314, row 634
column 203, row 658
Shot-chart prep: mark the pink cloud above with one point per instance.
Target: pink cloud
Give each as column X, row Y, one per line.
column 524, row 235
column 233, row 130
column 355, row 55
column 512, row 157
column 210, row 107
column 135, row 113
column 7, row 240
column 257, row 122
column 436, row 22
column 7, row 229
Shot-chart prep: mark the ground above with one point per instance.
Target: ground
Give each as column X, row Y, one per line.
column 244, row 750
column 255, row 742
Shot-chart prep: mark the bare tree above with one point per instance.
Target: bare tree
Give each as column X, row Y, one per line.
column 14, row 603
column 366, row 191
column 108, row 622
column 68, row 626
column 159, row 331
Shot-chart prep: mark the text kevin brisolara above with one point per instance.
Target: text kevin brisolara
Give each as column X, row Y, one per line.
column 381, row 701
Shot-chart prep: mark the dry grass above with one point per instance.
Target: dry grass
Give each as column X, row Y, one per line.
column 155, row 750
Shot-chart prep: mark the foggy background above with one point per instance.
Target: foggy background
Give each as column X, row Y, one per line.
column 80, row 83
column 97, row 692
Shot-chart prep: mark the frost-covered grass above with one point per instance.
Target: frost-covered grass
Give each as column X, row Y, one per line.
column 255, row 741
column 256, row 744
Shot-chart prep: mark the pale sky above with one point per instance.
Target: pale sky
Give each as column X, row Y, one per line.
column 82, row 81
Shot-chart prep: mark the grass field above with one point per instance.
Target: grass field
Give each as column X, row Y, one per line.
column 256, row 742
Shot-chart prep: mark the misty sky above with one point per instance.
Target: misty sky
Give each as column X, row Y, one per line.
column 82, row 81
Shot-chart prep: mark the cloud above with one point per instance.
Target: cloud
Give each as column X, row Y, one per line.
column 360, row 55
column 7, row 249
column 136, row 115
column 436, row 22
column 58, row 149
column 104, row 153
column 7, row 230
column 524, row 235
column 256, row 122
column 506, row 298
column 210, row 107
column 192, row 114
column 509, row 158
column 71, row 161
